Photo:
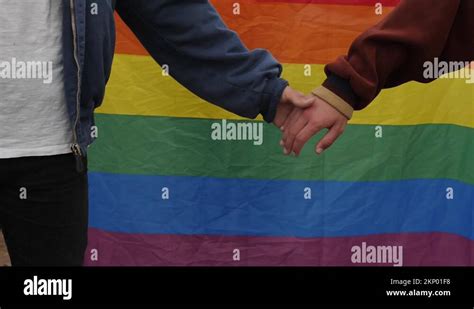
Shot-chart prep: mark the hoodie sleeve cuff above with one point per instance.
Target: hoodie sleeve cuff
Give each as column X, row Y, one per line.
column 335, row 101
column 273, row 90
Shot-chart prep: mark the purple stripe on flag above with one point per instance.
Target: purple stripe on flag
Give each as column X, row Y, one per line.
column 419, row 249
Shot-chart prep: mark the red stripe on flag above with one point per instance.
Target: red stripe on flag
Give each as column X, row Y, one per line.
column 339, row 2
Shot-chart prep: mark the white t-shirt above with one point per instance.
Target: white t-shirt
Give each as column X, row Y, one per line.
column 33, row 112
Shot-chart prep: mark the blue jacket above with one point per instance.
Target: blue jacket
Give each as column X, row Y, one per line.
column 188, row 35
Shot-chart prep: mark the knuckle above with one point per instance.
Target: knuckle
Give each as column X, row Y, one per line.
column 292, row 133
column 307, row 113
column 299, row 140
column 327, row 142
column 315, row 126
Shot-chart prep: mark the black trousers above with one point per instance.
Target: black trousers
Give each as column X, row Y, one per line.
column 44, row 210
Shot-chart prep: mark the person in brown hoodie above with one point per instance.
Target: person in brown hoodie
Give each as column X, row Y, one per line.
column 386, row 55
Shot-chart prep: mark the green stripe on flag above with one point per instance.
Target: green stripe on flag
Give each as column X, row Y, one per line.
column 183, row 147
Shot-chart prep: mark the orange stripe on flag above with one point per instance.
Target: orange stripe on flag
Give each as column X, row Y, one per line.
column 293, row 32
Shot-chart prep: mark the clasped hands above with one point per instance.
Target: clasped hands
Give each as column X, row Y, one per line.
column 300, row 117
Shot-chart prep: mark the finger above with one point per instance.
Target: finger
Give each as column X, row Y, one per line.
column 282, row 114
column 292, row 115
column 328, row 139
column 295, row 114
column 297, row 122
column 303, row 137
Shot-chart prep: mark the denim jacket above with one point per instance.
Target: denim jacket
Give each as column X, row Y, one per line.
column 188, row 35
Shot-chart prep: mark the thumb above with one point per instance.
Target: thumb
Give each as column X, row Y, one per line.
column 303, row 101
column 290, row 96
column 328, row 139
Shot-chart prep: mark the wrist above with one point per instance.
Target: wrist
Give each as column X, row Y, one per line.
column 335, row 101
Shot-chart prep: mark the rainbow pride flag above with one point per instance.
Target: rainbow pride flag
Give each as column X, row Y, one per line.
column 162, row 192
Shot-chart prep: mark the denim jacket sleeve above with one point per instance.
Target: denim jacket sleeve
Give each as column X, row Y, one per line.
column 205, row 56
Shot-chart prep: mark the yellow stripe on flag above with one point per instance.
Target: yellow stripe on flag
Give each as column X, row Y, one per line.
column 138, row 87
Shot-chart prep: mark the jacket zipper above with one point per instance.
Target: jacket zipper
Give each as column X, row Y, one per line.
column 76, row 149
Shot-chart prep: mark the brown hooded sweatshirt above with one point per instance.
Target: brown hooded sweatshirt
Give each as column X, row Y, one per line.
column 396, row 50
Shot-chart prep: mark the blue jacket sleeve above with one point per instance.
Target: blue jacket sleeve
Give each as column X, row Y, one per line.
column 205, row 56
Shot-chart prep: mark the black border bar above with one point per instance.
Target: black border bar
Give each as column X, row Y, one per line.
column 241, row 285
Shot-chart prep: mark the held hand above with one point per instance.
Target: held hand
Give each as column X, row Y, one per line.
column 300, row 125
column 290, row 100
